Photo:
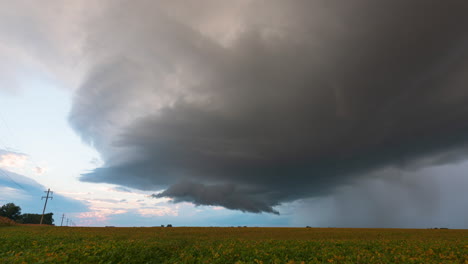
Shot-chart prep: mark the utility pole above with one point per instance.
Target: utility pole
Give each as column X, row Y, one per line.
column 45, row 204
column 67, row 221
column 63, row 215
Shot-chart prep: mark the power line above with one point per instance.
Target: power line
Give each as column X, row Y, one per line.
column 3, row 145
column 7, row 129
column 11, row 179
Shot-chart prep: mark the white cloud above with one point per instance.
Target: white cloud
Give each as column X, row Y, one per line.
column 98, row 215
column 158, row 211
column 13, row 160
column 6, row 193
column 39, row 170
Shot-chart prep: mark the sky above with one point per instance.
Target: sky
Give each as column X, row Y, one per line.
column 228, row 113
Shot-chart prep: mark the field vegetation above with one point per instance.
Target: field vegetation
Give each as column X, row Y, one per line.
column 49, row 244
column 6, row 221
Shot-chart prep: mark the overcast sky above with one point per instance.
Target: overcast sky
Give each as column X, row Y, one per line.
column 248, row 112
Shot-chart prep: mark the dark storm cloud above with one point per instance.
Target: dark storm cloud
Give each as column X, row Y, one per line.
column 225, row 195
column 294, row 100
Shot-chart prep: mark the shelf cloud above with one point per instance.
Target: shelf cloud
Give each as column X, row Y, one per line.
column 251, row 104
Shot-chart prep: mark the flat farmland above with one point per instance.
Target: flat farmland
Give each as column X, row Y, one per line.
column 48, row 244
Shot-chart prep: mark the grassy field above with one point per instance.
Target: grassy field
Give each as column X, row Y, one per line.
column 37, row 244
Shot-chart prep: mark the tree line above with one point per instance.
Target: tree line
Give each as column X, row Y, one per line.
column 13, row 212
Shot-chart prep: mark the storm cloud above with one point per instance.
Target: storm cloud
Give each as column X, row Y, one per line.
column 252, row 104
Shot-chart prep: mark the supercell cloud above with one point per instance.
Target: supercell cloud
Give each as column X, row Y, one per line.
column 252, row 104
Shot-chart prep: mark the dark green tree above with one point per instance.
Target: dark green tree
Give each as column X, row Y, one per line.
column 10, row 210
column 36, row 219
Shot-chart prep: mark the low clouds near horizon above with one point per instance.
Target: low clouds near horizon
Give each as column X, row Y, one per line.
column 252, row 104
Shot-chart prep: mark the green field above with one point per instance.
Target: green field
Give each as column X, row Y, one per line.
column 36, row 244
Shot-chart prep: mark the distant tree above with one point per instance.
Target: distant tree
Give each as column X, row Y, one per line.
column 36, row 219
column 169, row 225
column 10, row 210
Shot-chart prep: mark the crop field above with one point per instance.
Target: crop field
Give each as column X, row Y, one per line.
column 47, row 244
